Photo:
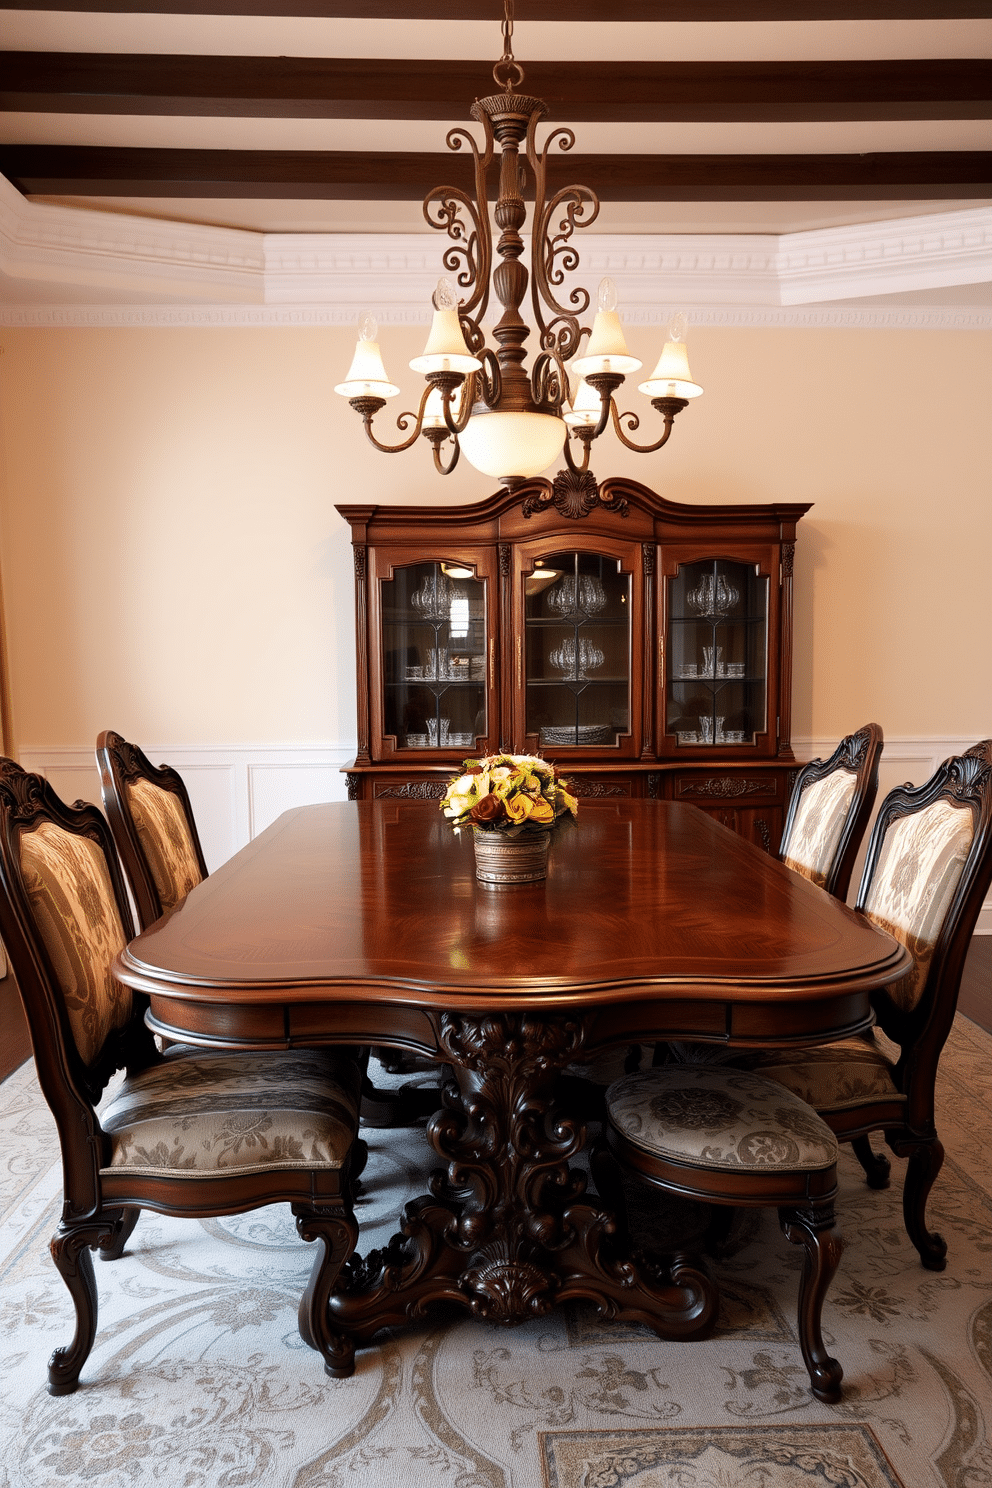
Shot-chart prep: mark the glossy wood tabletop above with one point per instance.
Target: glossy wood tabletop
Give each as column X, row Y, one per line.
column 377, row 903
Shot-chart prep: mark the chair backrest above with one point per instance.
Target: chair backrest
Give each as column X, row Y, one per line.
column 152, row 822
column 64, row 916
column 928, row 869
column 829, row 810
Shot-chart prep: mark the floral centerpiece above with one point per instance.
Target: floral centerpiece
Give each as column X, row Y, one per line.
column 507, row 793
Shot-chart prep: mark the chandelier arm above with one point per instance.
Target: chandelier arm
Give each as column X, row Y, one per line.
column 569, row 459
column 439, row 464
column 549, row 382
column 401, row 423
column 456, row 423
column 643, row 449
column 470, row 256
column 549, row 247
column 489, row 380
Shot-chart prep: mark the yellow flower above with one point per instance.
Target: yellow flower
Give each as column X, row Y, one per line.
column 542, row 810
column 518, row 807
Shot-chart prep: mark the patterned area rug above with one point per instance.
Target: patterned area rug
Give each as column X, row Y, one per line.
column 199, row 1377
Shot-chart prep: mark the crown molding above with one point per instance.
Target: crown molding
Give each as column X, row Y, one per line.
column 77, row 267
column 88, row 250
column 163, row 317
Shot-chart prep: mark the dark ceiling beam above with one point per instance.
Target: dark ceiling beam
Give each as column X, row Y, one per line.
column 566, row 11
column 360, row 88
column 56, row 170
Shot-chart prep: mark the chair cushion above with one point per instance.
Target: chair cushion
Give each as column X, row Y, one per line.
column 818, row 823
column 719, row 1118
column 913, row 883
column 829, row 1077
column 163, row 831
column 208, row 1114
column 69, row 888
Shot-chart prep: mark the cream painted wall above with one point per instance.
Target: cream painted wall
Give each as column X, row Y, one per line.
column 173, row 566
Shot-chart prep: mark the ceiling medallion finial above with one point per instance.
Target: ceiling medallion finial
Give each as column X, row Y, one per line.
column 512, row 422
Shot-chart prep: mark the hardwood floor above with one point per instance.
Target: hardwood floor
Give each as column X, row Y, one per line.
column 974, row 1001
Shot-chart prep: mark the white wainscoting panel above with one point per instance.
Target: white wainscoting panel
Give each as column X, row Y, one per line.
column 237, row 791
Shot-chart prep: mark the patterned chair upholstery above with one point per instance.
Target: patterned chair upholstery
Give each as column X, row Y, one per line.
column 731, row 1138
column 189, row 1134
column 928, row 870
column 152, row 823
column 829, row 810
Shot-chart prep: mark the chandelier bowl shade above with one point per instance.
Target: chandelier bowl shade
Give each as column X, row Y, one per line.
column 512, row 445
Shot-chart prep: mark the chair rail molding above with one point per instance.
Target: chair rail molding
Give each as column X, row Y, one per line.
column 237, row 790
column 69, row 267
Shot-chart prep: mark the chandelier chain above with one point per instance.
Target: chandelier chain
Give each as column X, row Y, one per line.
column 508, row 73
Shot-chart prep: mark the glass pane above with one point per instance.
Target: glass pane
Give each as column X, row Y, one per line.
column 434, row 657
column 577, row 650
column 717, row 684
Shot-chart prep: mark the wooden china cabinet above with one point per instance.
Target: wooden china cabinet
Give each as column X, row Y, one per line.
column 643, row 645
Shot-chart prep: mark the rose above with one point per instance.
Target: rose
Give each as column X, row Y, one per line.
column 488, row 809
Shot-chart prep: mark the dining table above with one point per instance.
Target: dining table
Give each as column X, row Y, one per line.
column 363, row 923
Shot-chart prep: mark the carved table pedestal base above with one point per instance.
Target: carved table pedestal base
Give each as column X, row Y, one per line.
column 507, row 1232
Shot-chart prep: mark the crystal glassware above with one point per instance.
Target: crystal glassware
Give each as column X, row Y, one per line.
column 713, row 597
column 562, row 658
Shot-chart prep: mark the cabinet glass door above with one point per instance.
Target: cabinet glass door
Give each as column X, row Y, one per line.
column 434, row 657
column 577, row 650
column 716, row 690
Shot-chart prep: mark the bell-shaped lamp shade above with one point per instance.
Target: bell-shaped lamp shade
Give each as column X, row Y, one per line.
column 445, row 350
column 434, row 409
column 512, row 444
column 607, row 349
column 671, row 378
column 366, row 375
column 585, row 408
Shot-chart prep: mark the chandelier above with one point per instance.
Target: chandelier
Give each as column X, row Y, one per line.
column 511, row 423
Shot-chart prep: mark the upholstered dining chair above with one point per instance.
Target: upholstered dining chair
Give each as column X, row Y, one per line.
column 727, row 1137
column 928, row 869
column 187, row 1134
column 153, row 826
column 829, row 809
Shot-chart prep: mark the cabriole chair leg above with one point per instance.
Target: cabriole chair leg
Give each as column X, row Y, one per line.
column 814, row 1230
column 925, row 1162
column 70, row 1250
